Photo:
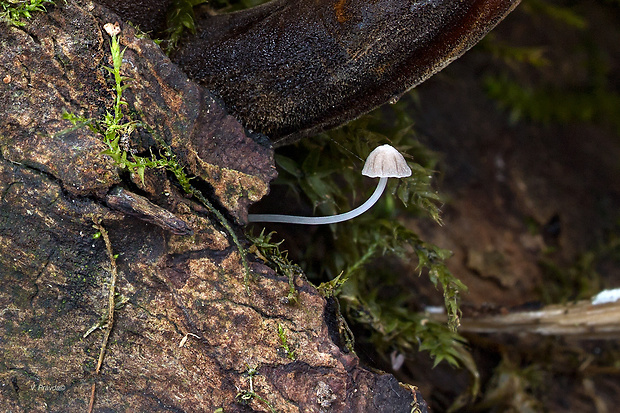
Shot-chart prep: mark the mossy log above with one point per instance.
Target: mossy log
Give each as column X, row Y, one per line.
column 189, row 332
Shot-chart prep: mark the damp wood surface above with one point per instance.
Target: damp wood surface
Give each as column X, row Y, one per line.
column 188, row 332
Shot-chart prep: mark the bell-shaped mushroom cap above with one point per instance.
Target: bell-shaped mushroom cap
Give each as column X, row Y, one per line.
column 386, row 162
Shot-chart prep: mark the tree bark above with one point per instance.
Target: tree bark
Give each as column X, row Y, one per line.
column 189, row 338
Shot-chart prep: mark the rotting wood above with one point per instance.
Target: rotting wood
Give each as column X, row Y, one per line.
column 54, row 180
column 580, row 319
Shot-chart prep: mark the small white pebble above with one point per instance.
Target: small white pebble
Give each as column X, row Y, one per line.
column 397, row 360
column 434, row 309
column 606, row 296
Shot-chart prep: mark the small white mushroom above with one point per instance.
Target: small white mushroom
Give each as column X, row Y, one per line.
column 386, row 162
column 113, row 29
column 383, row 162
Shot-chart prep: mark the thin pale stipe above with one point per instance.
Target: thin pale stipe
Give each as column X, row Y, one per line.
column 333, row 219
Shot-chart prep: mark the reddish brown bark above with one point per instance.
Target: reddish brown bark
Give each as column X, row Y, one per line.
column 189, row 331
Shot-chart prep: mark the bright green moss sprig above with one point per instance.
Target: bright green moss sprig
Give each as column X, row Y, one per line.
column 284, row 346
column 114, row 127
column 14, row 12
column 269, row 252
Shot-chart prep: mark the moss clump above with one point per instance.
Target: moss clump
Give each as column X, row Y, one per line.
column 344, row 257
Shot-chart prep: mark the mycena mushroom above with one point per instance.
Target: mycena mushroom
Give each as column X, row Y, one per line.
column 383, row 162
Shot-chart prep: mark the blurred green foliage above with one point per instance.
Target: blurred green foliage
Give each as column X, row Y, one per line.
column 513, row 389
column 180, row 17
column 561, row 13
column 582, row 279
column 551, row 104
column 572, row 96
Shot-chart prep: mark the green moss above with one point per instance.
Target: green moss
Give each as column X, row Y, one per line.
column 116, row 126
column 269, row 252
column 286, row 349
column 14, row 12
column 245, row 397
column 179, row 19
column 314, row 172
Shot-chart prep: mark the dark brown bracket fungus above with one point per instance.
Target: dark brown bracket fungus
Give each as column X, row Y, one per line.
column 290, row 68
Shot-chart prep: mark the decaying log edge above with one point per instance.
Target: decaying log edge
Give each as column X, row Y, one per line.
column 179, row 289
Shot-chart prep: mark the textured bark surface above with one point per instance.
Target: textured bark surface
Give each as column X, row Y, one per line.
column 189, row 332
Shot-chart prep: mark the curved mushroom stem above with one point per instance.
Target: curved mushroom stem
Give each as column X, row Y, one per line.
column 294, row 219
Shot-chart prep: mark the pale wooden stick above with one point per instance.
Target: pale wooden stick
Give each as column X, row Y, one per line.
column 580, row 319
column 111, row 300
